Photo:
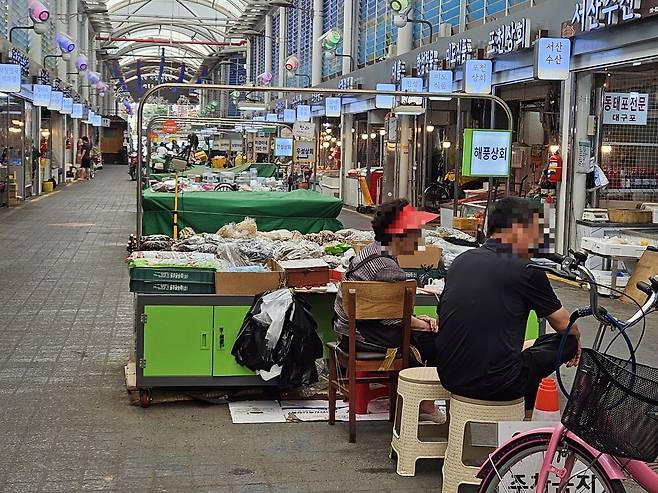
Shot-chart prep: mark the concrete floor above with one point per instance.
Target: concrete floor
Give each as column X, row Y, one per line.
column 66, row 331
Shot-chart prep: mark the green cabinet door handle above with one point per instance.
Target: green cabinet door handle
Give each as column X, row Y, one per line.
column 220, row 339
column 204, row 340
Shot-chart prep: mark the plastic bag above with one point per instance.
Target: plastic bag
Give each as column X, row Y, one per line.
column 229, row 254
column 241, row 230
column 273, row 313
column 296, row 349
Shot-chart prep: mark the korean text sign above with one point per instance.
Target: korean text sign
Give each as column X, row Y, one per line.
column 487, row 152
column 283, row 147
column 552, row 58
column 477, row 77
column 625, row 108
column 10, row 77
column 304, row 151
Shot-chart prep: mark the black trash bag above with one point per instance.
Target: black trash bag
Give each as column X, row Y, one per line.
column 296, row 350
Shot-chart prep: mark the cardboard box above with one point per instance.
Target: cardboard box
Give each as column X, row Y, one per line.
column 422, row 265
column 430, row 256
column 306, row 273
column 465, row 223
column 250, row 283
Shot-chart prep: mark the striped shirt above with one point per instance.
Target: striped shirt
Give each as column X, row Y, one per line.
column 370, row 264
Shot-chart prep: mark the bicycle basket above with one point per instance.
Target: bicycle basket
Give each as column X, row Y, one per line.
column 614, row 409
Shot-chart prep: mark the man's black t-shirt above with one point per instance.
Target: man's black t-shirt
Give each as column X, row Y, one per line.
column 484, row 309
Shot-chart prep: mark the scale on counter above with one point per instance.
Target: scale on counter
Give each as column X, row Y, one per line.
column 596, row 215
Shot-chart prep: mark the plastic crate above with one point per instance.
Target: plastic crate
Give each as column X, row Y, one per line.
column 172, row 280
column 172, row 274
column 604, row 279
column 171, row 287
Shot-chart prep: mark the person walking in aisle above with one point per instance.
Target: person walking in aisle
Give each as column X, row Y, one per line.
column 85, row 160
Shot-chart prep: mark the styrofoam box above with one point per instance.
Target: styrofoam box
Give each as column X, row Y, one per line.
column 604, row 278
column 607, row 246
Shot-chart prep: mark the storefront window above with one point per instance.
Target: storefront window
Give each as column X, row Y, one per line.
column 629, row 140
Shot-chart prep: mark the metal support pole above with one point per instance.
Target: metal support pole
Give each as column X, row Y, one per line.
column 426, row 161
column 458, row 155
column 316, row 57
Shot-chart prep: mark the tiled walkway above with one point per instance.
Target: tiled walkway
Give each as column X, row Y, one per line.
column 65, row 420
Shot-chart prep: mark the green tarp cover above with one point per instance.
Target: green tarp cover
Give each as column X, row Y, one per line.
column 206, row 212
column 265, row 170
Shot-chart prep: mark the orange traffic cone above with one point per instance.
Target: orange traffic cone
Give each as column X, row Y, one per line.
column 547, row 404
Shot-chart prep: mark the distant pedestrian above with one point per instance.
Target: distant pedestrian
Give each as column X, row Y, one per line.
column 85, row 159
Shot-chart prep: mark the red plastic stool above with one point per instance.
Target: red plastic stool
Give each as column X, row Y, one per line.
column 364, row 394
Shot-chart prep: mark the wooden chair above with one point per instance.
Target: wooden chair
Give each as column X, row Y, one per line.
column 365, row 300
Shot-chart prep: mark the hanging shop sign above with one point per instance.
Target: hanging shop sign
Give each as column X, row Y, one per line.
column 332, row 107
column 508, row 38
column 236, row 146
column 76, row 112
column 552, row 58
column 10, row 77
column 289, row 116
column 41, row 94
column 304, row 151
column 427, row 61
column 477, row 76
column 272, row 117
column 304, row 113
column 286, row 133
column 224, row 145
column 487, row 152
column 346, row 83
column 398, row 71
column 592, row 15
column 439, row 81
column 105, row 122
column 56, row 99
column 262, row 145
column 169, row 126
column 385, row 102
column 458, row 52
column 625, row 108
column 412, row 84
column 303, row 130
column 282, row 147
column 67, row 105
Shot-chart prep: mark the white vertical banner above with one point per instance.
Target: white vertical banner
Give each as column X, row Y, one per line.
column 41, row 94
column 304, row 113
column 439, row 82
column 289, row 116
column 477, row 76
column 332, row 107
column 76, row 111
column 67, row 106
column 385, row 102
column 56, row 99
column 412, row 84
column 10, row 76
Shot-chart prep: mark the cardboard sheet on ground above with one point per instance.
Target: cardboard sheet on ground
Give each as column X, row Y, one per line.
column 206, row 212
column 250, row 412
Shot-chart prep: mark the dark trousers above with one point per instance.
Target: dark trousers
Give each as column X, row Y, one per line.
column 376, row 341
column 538, row 363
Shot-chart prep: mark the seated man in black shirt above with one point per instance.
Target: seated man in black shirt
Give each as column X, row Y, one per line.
column 484, row 309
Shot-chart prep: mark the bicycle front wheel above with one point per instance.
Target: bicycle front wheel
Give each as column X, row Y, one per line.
column 519, row 469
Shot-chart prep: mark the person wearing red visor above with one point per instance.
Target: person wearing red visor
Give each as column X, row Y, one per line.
column 398, row 231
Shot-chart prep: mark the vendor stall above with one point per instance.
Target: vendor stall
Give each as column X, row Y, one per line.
column 303, row 210
column 194, row 294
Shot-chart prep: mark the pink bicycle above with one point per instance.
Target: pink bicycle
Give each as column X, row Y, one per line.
column 609, row 429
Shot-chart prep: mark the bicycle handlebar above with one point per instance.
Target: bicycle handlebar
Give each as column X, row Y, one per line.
column 572, row 267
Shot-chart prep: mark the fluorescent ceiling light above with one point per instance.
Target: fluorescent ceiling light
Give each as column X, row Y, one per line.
column 441, row 98
column 245, row 106
column 408, row 109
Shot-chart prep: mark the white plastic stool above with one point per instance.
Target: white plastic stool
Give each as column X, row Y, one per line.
column 414, row 386
column 462, row 412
